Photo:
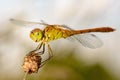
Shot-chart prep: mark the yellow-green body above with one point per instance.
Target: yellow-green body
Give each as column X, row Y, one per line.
column 50, row 33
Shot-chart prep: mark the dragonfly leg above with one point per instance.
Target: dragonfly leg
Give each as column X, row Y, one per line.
column 43, row 63
column 39, row 47
column 50, row 52
column 43, row 48
column 42, row 52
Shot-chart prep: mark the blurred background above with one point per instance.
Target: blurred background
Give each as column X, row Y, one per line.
column 71, row 61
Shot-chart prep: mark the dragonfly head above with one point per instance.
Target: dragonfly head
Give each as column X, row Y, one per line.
column 36, row 35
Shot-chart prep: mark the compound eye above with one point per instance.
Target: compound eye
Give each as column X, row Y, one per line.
column 36, row 35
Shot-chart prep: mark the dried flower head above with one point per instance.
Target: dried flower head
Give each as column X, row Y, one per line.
column 32, row 62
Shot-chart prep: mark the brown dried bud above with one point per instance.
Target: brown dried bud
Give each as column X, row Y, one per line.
column 32, row 62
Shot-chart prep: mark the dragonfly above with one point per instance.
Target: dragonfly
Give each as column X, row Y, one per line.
column 53, row 32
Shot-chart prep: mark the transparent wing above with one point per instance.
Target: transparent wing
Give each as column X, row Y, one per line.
column 26, row 23
column 87, row 40
column 66, row 27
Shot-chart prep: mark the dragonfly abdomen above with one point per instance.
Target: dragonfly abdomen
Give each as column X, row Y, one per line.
column 68, row 33
column 101, row 29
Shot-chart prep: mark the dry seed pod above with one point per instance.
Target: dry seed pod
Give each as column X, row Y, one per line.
column 32, row 62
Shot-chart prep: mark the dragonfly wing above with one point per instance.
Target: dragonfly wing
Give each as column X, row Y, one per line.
column 26, row 23
column 43, row 21
column 66, row 27
column 87, row 40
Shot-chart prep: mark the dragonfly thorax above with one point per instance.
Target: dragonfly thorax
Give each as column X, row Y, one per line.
column 52, row 32
column 36, row 35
